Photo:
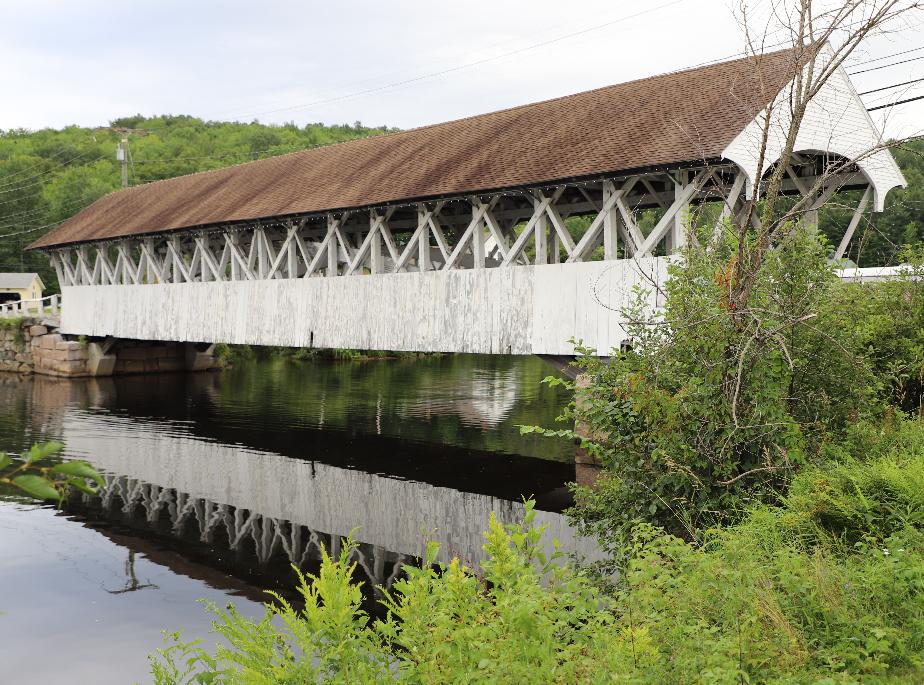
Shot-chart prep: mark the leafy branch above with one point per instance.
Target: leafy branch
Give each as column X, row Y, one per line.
column 36, row 474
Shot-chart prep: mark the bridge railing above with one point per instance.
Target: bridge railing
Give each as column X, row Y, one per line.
column 870, row 274
column 50, row 304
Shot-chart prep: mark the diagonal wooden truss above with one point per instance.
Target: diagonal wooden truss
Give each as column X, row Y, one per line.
column 490, row 230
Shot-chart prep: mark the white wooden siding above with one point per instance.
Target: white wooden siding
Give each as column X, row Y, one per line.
column 518, row 310
column 835, row 121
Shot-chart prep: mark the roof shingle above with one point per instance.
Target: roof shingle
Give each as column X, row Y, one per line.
column 674, row 118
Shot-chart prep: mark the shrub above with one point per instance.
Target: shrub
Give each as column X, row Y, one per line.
column 713, row 408
column 522, row 617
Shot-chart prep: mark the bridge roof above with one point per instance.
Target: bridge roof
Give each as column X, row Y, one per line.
column 671, row 119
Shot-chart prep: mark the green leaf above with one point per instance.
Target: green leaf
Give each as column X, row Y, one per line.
column 36, row 486
column 79, row 468
column 5, row 460
column 82, row 485
column 39, row 452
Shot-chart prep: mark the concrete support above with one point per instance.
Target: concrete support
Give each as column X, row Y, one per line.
column 199, row 359
column 100, row 360
column 587, row 467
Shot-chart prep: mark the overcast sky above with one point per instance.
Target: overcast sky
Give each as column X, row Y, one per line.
column 87, row 62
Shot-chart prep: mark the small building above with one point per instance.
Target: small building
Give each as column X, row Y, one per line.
column 15, row 287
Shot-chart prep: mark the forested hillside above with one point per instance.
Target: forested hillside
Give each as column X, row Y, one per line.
column 49, row 175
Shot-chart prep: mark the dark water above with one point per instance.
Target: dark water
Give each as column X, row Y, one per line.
column 216, row 483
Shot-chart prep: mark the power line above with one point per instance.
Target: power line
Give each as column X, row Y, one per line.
column 885, row 66
column 893, row 104
column 32, row 230
column 894, row 54
column 903, row 83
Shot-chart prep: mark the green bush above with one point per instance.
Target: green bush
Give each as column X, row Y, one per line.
column 715, row 409
column 521, row 617
column 889, row 318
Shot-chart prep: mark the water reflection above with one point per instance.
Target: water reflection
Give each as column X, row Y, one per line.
column 217, row 483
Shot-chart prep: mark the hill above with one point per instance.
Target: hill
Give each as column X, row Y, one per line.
column 48, row 175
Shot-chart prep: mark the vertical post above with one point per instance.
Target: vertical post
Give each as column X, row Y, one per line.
column 204, row 270
column 262, row 258
column 810, row 217
column 148, row 267
column 177, row 272
column 610, row 224
column 542, row 235
column 477, row 242
column 376, row 260
column 122, row 157
column 235, row 239
column 292, row 258
column 677, row 236
column 333, row 247
column 423, row 246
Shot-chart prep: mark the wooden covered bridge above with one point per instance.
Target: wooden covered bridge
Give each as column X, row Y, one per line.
column 453, row 237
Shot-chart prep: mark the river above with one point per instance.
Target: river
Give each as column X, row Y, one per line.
column 217, row 482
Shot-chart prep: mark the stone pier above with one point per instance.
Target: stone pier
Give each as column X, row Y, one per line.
column 34, row 345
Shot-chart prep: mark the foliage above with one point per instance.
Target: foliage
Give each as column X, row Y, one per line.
column 48, row 175
column 827, row 587
column 889, row 317
column 523, row 618
column 706, row 414
column 38, row 474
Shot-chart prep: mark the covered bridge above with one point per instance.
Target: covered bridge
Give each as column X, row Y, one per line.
column 457, row 232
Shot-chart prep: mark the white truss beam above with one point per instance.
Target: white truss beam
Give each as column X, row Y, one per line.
column 491, row 230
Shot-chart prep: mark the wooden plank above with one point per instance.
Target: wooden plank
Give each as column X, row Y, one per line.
column 854, row 222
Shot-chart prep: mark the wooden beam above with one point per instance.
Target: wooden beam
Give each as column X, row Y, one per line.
column 657, row 233
column 854, row 222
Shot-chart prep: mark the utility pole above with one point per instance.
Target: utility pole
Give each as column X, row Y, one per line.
column 122, row 156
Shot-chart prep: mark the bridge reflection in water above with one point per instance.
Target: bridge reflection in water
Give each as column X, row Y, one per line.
column 235, row 506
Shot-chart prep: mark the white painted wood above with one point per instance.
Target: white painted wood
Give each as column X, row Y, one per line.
column 836, row 121
column 610, row 222
column 667, row 221
column 676, row 237
column 854, row 222
column 518, row 310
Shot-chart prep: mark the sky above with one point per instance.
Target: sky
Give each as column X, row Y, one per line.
column 401, row 64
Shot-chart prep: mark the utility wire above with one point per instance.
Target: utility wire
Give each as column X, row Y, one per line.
column 903, row 83
column 32, row 230
column 893, row 104
column 894, row 54
column 885, row 66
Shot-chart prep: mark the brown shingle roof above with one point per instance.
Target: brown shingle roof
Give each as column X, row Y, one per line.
column 674, row 118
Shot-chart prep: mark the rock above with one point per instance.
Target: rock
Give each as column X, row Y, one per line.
column 38, row 330
column 49, row 341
